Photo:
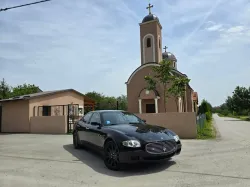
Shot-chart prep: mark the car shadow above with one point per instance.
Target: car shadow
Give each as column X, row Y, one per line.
column 95, row 161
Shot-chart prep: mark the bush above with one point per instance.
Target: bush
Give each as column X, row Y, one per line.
column 208, row 116
column 207, row 132
column 224, row 112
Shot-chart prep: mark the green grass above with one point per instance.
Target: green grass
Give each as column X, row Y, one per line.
column 221, row 115
column 207, row 132
column 244, row 118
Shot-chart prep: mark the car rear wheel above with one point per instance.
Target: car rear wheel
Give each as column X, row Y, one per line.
column 76, row 140
column 111, row 156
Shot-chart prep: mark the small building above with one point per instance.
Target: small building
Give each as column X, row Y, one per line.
column 43, row 112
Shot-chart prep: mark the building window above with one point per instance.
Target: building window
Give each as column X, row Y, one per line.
column 160, row 43
column 148, row 42
column 46, row 110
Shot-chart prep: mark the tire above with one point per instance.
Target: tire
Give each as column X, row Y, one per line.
column 76, row 140
column 111, row 156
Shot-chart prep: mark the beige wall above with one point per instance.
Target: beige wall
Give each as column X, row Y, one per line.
column 48, row 124
column 183, row 124
column 63, row 98
column 15, row 116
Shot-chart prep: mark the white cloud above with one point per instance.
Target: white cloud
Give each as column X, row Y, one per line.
column 215, row 28
column 94, row 45
column 236, row 29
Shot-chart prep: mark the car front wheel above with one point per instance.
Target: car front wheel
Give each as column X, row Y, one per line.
column 111, row 156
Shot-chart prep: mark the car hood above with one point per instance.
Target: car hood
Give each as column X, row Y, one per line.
column 143, row 132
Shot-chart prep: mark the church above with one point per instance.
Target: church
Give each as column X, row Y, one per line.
column 141, row 100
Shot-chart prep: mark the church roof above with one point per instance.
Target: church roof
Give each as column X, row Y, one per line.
column 151, row 64
column 150, row 17
column 168, row 55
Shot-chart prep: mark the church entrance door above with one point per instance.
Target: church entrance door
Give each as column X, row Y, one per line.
column 150, row 108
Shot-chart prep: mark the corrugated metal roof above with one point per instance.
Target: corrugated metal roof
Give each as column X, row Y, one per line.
column 40, row 94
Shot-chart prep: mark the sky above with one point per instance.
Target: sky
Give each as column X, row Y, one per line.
column 95, row 45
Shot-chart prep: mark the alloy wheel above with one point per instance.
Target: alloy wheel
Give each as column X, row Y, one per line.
column 111, row 157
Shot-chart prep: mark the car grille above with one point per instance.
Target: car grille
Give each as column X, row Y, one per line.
column 161, row 147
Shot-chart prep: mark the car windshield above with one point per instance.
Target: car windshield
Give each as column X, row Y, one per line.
column 116, row 118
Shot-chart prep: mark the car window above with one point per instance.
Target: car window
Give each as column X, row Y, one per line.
column 95, row 118
column 132, row 118
column 86, row 117
column 115, row 118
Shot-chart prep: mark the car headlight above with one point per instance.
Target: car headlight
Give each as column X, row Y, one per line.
column 176, row 138
column 131, row 143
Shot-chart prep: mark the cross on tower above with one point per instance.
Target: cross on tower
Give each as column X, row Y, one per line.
column 149, row 8
column 165, row 48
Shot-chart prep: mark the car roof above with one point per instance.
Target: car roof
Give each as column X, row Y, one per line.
column 101, row 111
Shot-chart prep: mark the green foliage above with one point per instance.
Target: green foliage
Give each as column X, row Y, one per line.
column 207, row 132
column 178, row 88
column 163, row 75
column 151, row 83
column 7, row 91
column 106, row 102
column 24, row 89
column 209, row 116
column 205, row 107
column 236, row 105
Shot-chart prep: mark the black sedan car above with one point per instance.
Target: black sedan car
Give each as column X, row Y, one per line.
column 124, row 138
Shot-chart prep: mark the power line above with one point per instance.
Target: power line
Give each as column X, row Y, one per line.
column 4, row 9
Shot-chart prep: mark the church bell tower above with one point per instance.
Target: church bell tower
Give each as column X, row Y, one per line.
column 151, row 38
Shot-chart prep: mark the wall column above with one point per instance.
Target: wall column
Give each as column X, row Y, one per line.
column 186, row 102
column 140, row 111
column 156, row 105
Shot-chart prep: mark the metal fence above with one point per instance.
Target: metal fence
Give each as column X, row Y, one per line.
column 201, row 119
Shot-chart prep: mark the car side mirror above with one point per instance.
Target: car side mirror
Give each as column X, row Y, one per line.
column 144, row 120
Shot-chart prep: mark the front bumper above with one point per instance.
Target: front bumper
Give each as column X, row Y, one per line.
column 143, row 156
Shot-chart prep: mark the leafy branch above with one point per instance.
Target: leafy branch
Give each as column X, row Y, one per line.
column 163, row 75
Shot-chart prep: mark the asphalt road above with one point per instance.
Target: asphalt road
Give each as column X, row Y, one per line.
column 49, row 160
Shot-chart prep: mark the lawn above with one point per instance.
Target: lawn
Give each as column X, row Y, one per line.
column 244, row 118
column 207, row 132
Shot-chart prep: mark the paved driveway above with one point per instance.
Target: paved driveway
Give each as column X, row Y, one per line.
column 50, row 160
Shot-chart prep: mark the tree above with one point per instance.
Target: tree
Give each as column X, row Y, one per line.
column 206, row 108
column 239, row 102
column 5, row 90
column 24, row 89
column 106, row 102
column 178, row 88
column 122, row 102
column 161, row 74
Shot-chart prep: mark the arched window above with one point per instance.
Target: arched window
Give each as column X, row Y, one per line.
column 148, row 42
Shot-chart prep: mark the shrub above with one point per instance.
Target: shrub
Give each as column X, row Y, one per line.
column 208, row 116
column 225, row 112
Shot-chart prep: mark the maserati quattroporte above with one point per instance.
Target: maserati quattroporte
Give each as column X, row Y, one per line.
column 123, row 137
